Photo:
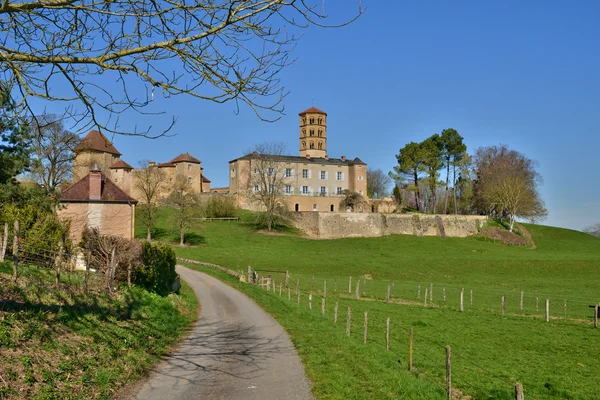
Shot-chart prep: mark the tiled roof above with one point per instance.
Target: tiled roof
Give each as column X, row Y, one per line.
column 298, row 159
column 109, row 192
column 166, row 164
column 185, row 157
column 120, row 165
column 313, row 110
column 96, row 141
column 205, row 179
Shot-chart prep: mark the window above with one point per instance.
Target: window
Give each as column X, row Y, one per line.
column 256, row 188
column 320, row 121
column 312, row 121
column 331, row 208
column 303, row 144
column 312, row 132
column 360, row 177
column 339, row 190
column 323, row 190
column 303, row 132
column 270, row 171
column 340, row 176
column 189, row 179
column 360, row 192
column 323, row 175
column 233, row 172
column 304, row 189
column 288, row 189
column 360, row 209
column 314, row 207
column 320, row 145
column 189, row 167
column 297, row 207
column 303, row 120
column 305, row 173
column 288, row 172
column 312, row 145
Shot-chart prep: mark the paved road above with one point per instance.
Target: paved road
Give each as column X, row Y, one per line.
column 235, row 351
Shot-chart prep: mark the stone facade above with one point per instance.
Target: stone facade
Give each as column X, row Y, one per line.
column 312, row 181
column 327, row 225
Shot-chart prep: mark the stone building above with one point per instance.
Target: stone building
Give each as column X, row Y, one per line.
column 313, row 181
column 95, row 201
column 95, row 151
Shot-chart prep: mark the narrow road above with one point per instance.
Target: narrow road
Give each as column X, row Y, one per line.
column 235, row 351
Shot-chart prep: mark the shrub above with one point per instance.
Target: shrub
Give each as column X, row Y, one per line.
column 157, row 271
column 219, row 207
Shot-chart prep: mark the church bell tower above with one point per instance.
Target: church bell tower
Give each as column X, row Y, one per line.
column 313, row 133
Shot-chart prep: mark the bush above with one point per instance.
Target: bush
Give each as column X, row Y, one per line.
column 219, row 207
column 157, row 272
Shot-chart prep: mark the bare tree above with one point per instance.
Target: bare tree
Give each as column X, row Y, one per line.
column 53, row 150
column 149, row 182
column 351, row 200
column 212, row 50
column 184, row 202
column 378, row 183
column 506, row 184
column 268, row 180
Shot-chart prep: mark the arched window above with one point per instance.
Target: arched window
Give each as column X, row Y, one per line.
column 320, row 121
column 303, row 132
column 312, row 121
column 373, row 208
column 320, row 145
column 320, row 133
column 331, row 208
column 312, row 145
column 303, row 144
column 314, row 207
column 303, row 120
column 297, row 208
column 312, row 132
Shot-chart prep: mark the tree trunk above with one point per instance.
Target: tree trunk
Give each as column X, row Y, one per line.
column 512, row 222
column 447, row 178
column 87, row 270
column 58, row 262
column 149, row 223
column 418, row 193
column 111, row 269
column 454, row 189
column 129, row 275
column 181, row 235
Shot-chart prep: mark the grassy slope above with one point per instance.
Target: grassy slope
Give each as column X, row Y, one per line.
column 63, row 344
column 551, row 359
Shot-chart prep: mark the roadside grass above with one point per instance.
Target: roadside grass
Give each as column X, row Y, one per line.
column 62, row 343
column 339, row 367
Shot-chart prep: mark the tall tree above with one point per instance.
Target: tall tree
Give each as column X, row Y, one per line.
column 267, row 180
column 433, row 147
column 15, row 140
column 411, row 165
column 506, row 184
column 453, row 151
column 184, row 202
column 212, row 50
column 53, row 152
column 378, row 183
column 149, row 181
column 351, row 200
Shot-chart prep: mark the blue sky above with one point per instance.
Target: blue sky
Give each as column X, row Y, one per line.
column 522, row 73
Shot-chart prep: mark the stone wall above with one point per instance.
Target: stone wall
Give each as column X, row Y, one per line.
column 328, row 225
column 114, row 219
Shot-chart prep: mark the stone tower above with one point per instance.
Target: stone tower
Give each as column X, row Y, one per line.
column 313, row 133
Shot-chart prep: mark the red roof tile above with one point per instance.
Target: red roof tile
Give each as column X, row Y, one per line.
column 96, row 141
column 313, row 109
column 205, row 179
column 185, row 157
column 109, row 192
column 166, row 164
column 120, row 165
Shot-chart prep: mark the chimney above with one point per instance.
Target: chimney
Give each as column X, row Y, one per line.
column 326, row 157
column 151, row 163
column 308, row 156
column 343, row 158
column 95, row 183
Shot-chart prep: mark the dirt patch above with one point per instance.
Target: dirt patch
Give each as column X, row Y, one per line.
column 503, row 236
column 527, row 236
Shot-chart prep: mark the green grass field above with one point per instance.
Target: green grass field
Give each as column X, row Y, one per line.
column 552, row 359
column 62, row 343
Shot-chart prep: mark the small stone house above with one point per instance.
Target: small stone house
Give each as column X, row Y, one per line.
column 96, row 202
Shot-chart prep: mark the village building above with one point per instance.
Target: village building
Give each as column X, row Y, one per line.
column 96, row 202
column 313, row 180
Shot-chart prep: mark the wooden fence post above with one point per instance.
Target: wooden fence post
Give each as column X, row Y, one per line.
column 392, row 289
column 59, row 258
column 410, row 349
column 537, row 304
column 387, row 299
column 280, row 288
column 298, row 298
column 15, row 250
column 250, row 275
column 310, row 301
column 350, row 284
column 503, row 304
column 462, row 298
column 335, row 312
column 365, row 330
column 596, row 316
column 521, row 305
column 431, row 293
column 444, row 293
column 565, row 307
column 419, row 292
column 448, row 374
column 323, row 306
column 358, row 289
column 425, row 301
column 287, row 277
column 471, row 302
column 268, row 283
column 324, row 288
column 387, row 333
column 364, row 286
column 348, row 323
column 519, row 392
column 547, row 310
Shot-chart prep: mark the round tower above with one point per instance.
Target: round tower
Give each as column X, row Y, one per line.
column 313, row 133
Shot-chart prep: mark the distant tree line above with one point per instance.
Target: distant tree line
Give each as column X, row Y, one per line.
column 495, row 181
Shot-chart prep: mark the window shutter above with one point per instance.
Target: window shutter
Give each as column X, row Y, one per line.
column 309, row 173
column 342, row 176
column 326, row 174
column 293, row 172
